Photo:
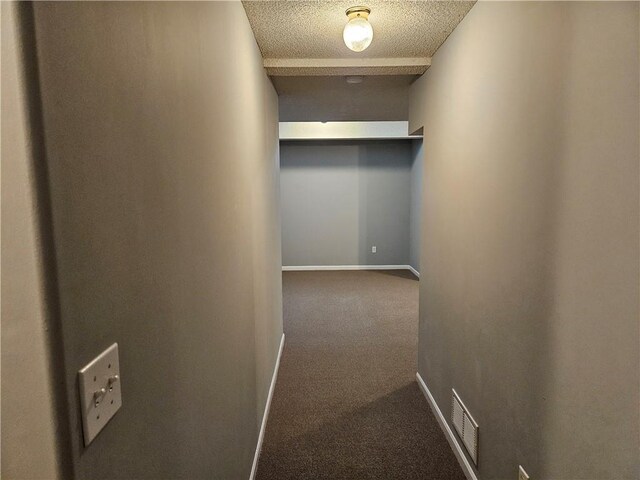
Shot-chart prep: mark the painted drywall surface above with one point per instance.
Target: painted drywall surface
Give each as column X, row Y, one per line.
column 529, row 306
column 28, row 409
column 267, row 254
column 341, row 198
column 159, row 120
column 326, row 99
column 415, row 220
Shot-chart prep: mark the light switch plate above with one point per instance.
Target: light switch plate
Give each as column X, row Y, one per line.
column 98, row 405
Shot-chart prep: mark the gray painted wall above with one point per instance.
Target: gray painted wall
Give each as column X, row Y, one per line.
column 415, row 220
column 529, row 306
column 341, row 198
column 162, row 153
column 29, row 411
column 332, row 99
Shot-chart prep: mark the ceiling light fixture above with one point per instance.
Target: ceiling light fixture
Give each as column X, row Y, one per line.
column 358, row 32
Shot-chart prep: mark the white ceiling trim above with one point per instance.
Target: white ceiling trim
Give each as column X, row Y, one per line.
column 346, row 66
column 345, row 131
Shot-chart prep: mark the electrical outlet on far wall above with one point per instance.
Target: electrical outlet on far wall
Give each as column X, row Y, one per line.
column 373, row 249
column 522, row 475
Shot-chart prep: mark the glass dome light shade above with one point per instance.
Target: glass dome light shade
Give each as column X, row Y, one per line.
column 357, row 34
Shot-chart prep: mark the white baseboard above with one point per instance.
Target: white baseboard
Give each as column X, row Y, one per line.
column 451, row 438
column 310, row 268
column 265, row 415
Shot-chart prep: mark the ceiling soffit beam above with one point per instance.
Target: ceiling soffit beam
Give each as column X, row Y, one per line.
column 287, row 67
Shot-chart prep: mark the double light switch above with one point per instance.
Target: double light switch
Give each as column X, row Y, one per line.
column 100, row 392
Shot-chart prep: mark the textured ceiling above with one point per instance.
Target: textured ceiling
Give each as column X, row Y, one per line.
column 377, row 98
column 301, row 42
column 313, row 29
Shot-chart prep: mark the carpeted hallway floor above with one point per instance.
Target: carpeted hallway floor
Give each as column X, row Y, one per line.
column 346, row 403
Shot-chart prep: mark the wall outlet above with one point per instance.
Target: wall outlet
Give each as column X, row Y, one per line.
column 373, row 249
column 522, row 475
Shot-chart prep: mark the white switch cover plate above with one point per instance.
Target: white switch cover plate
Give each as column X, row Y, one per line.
column 373, row 249
column 100, row 392
column 522, row 475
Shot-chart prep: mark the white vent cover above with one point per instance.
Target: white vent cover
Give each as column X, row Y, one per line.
column 470, row 436
column 465, row 426
column 457, row 415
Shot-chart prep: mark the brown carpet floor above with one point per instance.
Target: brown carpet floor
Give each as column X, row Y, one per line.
column 346, row 403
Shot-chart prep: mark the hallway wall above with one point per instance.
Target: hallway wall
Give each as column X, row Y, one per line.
column 161, row 133
column 341, row 198
column 529, row 305
column 29, row 415
column 415, row 213
column 331, row 99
